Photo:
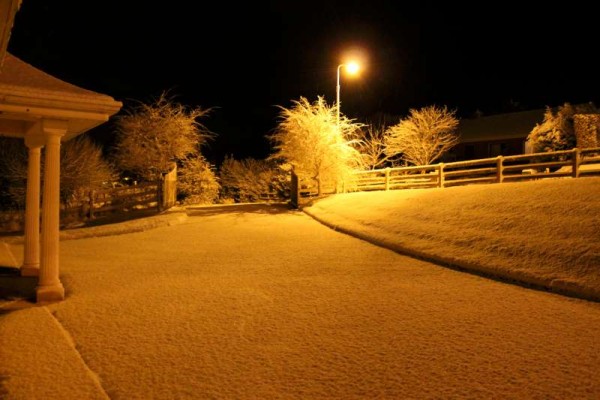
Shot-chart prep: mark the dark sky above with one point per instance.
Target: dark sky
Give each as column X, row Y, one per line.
column 245, row 59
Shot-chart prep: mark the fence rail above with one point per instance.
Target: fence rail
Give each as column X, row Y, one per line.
column 100, row 203
column 565, row 163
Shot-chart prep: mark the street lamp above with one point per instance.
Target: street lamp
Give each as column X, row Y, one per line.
column 352, row 68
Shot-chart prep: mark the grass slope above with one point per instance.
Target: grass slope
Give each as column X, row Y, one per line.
column 540, row 232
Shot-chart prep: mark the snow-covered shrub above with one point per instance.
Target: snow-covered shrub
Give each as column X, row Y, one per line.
column 196, row 181
column 587, row 130
column 557, row 131
column 251, row 180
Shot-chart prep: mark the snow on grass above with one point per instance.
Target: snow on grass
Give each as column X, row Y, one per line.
column 10, row 255
column 262, row 305
column 543, row 232
column 39, row 361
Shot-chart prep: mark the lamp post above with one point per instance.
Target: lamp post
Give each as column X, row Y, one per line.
column 352, row 68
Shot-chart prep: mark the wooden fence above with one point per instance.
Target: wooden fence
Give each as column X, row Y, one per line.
column 101, row 203
column 146, row 196
column 568, row 163
column 168, row 190
column 97, row 204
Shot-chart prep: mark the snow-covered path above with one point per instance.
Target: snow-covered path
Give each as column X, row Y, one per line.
column 263, row 305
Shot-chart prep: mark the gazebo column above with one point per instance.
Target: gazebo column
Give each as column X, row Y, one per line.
column 49, row 286
column 31, row 257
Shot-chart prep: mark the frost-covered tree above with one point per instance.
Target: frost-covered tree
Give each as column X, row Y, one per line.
column 150, row 137
column 371, row 145
column 82, row 168
column 246, row 180
column 556, row 132
column 196, row 181
column 310, row 140
column 424, row 136
column 13, row 172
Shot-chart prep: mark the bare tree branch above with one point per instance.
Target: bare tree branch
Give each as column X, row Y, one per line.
column 371, row 144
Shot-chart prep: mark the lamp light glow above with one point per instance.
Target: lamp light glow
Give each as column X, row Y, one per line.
column 352, row 68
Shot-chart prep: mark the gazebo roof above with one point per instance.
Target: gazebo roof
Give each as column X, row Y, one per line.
column 29, row 94
column 8, row 10
column 19, row 78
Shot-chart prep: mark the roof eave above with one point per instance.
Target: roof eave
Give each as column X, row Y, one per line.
column 82, row 115
column 97, row 105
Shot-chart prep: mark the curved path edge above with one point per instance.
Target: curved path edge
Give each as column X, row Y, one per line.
column 530, row 281
column 37, row 339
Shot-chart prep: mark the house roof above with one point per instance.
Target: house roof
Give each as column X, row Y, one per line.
column 501, row 126
column 29, row 94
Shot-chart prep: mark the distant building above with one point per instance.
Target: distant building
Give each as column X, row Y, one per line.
column 494, row 135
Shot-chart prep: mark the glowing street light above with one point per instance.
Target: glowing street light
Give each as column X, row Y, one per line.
column 352, row 68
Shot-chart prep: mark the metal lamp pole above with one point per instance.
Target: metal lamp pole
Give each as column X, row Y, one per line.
column 337, row 94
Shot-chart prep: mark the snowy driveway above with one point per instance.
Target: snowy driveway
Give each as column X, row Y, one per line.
column 263, row 303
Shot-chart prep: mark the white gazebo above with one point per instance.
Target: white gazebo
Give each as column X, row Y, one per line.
column 43, row 111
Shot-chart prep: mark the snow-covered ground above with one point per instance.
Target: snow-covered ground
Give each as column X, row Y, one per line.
column 544, row 232
column 259, row 302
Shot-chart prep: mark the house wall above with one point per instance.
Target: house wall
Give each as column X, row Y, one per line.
column 485, row 149
column 493, row 135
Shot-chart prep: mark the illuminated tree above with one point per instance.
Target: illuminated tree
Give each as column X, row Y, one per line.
column 153, row 136
column 424, row 136
column 309, row 139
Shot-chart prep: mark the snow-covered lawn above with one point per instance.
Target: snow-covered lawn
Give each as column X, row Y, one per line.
column 544, row 232
column 263, row 303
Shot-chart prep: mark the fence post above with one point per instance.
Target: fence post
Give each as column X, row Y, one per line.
column 294, row 190
column 576, row 163
column 499, row 169
column 159, row 194
column 387, row 178
column 441, row 177
column 92, row 198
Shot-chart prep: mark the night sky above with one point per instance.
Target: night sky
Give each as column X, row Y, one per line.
column 246, row 59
